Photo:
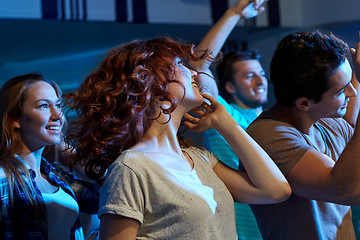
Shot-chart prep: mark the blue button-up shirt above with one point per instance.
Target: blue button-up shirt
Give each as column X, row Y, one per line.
column 23, row 220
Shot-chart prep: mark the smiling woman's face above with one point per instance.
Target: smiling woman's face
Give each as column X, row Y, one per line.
column 41, row 121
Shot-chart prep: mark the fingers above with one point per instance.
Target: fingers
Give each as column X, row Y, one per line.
column 260, row 10
column 213, row 103
column 191, row 122
column 207, row 107
column 199, row 112
column 208, row 97
column 191, row 119
column 190, row 125
column 355, row 55
column 203, row 110
column 258, row 3
column 249, row 8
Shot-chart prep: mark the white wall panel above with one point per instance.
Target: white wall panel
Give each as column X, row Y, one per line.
column 324, row 11
column 20, row 9
column 306, row 13
column 291, row 13
column 103, row 10
column 179, row 11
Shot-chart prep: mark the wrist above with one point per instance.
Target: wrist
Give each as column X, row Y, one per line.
column 223, row 122
column 233, row 11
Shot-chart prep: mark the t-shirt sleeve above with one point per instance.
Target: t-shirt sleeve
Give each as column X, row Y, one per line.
column 338, row 127
column 122, row 193
column 284, row 144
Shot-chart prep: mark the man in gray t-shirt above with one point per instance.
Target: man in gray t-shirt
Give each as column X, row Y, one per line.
column 312, row 134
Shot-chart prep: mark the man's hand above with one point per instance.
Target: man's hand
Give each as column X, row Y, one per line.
column 355, row 54
column 248, row 8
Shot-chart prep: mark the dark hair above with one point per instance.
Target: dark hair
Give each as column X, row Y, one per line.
column 225, row 70
column 12, row 96
column 303, row 63
column 118, row 101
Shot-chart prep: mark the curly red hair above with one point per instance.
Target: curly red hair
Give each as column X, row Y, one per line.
column 116, row 103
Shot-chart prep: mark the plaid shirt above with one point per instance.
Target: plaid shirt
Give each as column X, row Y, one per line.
column 23, row 221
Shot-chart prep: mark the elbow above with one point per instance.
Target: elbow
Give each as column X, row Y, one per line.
column 347, row 194
column 344, row 186
column 281, row 193
column 198, row 66
column 270, row 195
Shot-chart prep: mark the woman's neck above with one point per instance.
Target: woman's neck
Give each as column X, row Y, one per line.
column 161, row 137
column 164, row 149
column 31, row 158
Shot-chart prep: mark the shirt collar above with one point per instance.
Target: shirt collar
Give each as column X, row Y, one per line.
column 45, row 166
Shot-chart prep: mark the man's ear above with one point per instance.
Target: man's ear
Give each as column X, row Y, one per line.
column 303, row 103
column 229, row 87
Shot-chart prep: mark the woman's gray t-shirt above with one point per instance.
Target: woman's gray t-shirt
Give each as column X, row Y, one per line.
column 169, row 204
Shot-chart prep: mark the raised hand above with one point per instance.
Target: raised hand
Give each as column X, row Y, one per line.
column 209, row 115
column 248, row 8
column 355, row 53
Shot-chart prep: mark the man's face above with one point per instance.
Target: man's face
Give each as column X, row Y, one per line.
column 249, row 88
column 334, row 101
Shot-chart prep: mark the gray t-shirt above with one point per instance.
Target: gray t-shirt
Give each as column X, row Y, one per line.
column 298, row 217
column 169, row 204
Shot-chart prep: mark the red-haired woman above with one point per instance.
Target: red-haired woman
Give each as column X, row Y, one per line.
column 130, row 109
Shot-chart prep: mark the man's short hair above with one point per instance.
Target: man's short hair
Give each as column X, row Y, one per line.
column 303, row 63
column 225, row 71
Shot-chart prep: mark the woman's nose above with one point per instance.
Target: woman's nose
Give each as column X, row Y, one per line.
column 56, row 113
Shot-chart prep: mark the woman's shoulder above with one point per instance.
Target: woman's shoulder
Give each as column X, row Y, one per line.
column 201, row 154
column 129, row 156
column 198, row 150
column 2, row 173
column 131, row 159
column 4, row 183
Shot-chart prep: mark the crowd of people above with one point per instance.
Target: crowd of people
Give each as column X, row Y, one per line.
column 122, row 170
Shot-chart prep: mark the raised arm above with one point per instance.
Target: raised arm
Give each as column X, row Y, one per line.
column 262, row 182
column 347, row 168
column 217, row 35
column 353, row 108
column 316, row 176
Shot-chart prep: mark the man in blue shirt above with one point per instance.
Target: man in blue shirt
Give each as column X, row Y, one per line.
column 243, row 91
column 244, row 86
